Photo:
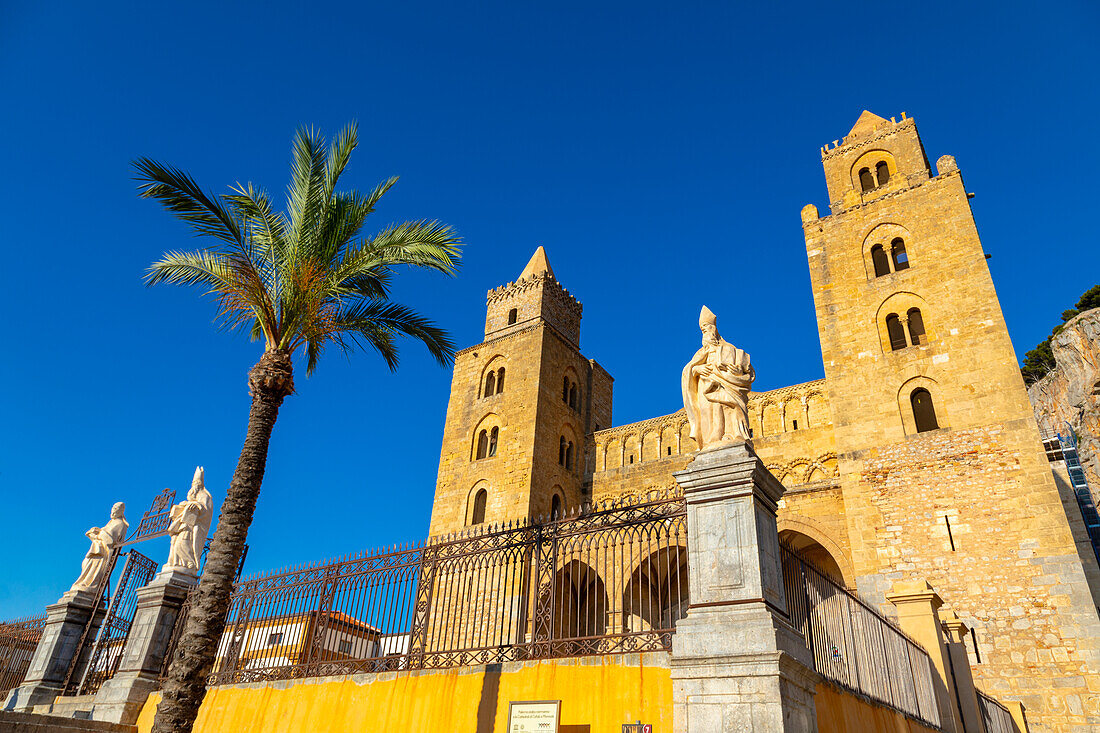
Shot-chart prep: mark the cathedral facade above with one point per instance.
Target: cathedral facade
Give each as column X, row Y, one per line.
column 917, row 456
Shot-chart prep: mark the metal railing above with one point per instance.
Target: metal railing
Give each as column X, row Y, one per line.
column 18, row 640
column 612, row 579
column 995, row 716
column 855, row 646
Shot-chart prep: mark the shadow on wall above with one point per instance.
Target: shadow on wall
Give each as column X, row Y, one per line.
column 487, row 705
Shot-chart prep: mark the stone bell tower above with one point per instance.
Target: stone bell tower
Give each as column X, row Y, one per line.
column 943, row 473
column 522, row 402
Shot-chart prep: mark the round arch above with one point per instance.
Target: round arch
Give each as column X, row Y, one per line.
column 809, row 539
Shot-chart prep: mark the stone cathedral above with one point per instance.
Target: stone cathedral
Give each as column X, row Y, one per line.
column 918, row 454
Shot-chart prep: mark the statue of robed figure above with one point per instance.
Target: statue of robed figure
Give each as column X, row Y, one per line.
column 190, row 523
column 715, row 385
column 104, row 540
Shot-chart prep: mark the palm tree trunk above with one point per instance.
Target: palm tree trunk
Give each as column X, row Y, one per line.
column 269, row 381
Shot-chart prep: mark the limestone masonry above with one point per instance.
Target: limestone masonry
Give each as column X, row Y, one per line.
column 918, row 455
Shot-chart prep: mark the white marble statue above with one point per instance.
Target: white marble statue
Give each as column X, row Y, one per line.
column 104, row 540
column 716, row 385
column 190, row 523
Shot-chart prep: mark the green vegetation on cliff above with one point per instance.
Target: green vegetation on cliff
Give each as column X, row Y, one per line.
column 1040, row 361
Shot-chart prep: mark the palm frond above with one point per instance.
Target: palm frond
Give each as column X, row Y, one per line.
column 369, row 319
column 304, row 194
column 180, row 194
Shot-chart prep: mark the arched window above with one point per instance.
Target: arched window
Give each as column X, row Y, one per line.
column 565, row 390
column 477, row 516
column 880, row 260
column 924, row 414
column 500, row 380
column 493, row 441
column 561, row 451
column 866, row 180
column 882, row 171
column 670, row 447
column 895, row 331
column 482, row 444
column 897, row 252
column 555, row 507
column 916, row 327
column 573, row 396
column 512, row 316
column 490, row 384
column 569, row 456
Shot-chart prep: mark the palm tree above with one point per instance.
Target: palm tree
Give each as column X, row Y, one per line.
column 300, row 281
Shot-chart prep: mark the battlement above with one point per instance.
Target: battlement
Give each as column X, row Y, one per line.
column 536, row 295
column 868, row 128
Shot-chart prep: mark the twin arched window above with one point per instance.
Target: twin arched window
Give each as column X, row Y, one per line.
column 897, row 258
column 477, row 515
column 895, row 330
column 869, row 181
column 494, row 383
column 487, row 443
column 565, row 453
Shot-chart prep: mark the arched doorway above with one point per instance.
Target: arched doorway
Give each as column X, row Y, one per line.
column 656, row 597
column 815, row 553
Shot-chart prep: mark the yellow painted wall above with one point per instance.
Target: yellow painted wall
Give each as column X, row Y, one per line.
column 842, row 712
column 598, row 695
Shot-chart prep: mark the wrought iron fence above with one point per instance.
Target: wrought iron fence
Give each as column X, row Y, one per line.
column 995, row 716
column 855, row 646
column 18, row 640
column 611, row 579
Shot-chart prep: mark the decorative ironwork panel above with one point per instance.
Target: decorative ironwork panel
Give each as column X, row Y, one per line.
column 611, row 579
column 156, row 520
column 115, row 630
column 18, row 640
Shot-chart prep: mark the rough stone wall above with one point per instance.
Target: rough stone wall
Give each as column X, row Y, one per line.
column 968, row 511
column 507, row 475
column 1071, row 393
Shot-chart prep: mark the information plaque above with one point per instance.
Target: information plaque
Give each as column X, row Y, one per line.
column 534, row 716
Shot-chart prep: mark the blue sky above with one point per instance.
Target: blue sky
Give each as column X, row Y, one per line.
column 649, row 147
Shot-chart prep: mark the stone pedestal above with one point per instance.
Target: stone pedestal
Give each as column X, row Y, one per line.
column 121, row 698
column 918, row 605
column 737, row 665
column 60, row 642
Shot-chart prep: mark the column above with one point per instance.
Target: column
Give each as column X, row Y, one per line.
column 917, row 604
column 966, row 695
column 121, row 698
column 736, row 662
column 60, row 643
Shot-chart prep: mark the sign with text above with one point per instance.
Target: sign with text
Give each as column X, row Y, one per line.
column 638, row 727
column 534, row 716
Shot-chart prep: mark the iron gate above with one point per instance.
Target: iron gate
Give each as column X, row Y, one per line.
column 106, row 651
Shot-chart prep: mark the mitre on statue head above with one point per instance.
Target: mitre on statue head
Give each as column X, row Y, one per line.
column 707, row 316
column 197, row 481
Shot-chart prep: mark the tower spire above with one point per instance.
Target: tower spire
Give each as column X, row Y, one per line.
column 537, row 265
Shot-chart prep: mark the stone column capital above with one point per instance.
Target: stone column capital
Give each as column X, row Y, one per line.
column 956, row 628
column 914, row 596
column 728, row 472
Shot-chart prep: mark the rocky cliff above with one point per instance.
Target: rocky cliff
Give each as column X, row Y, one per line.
column 1071, row 393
